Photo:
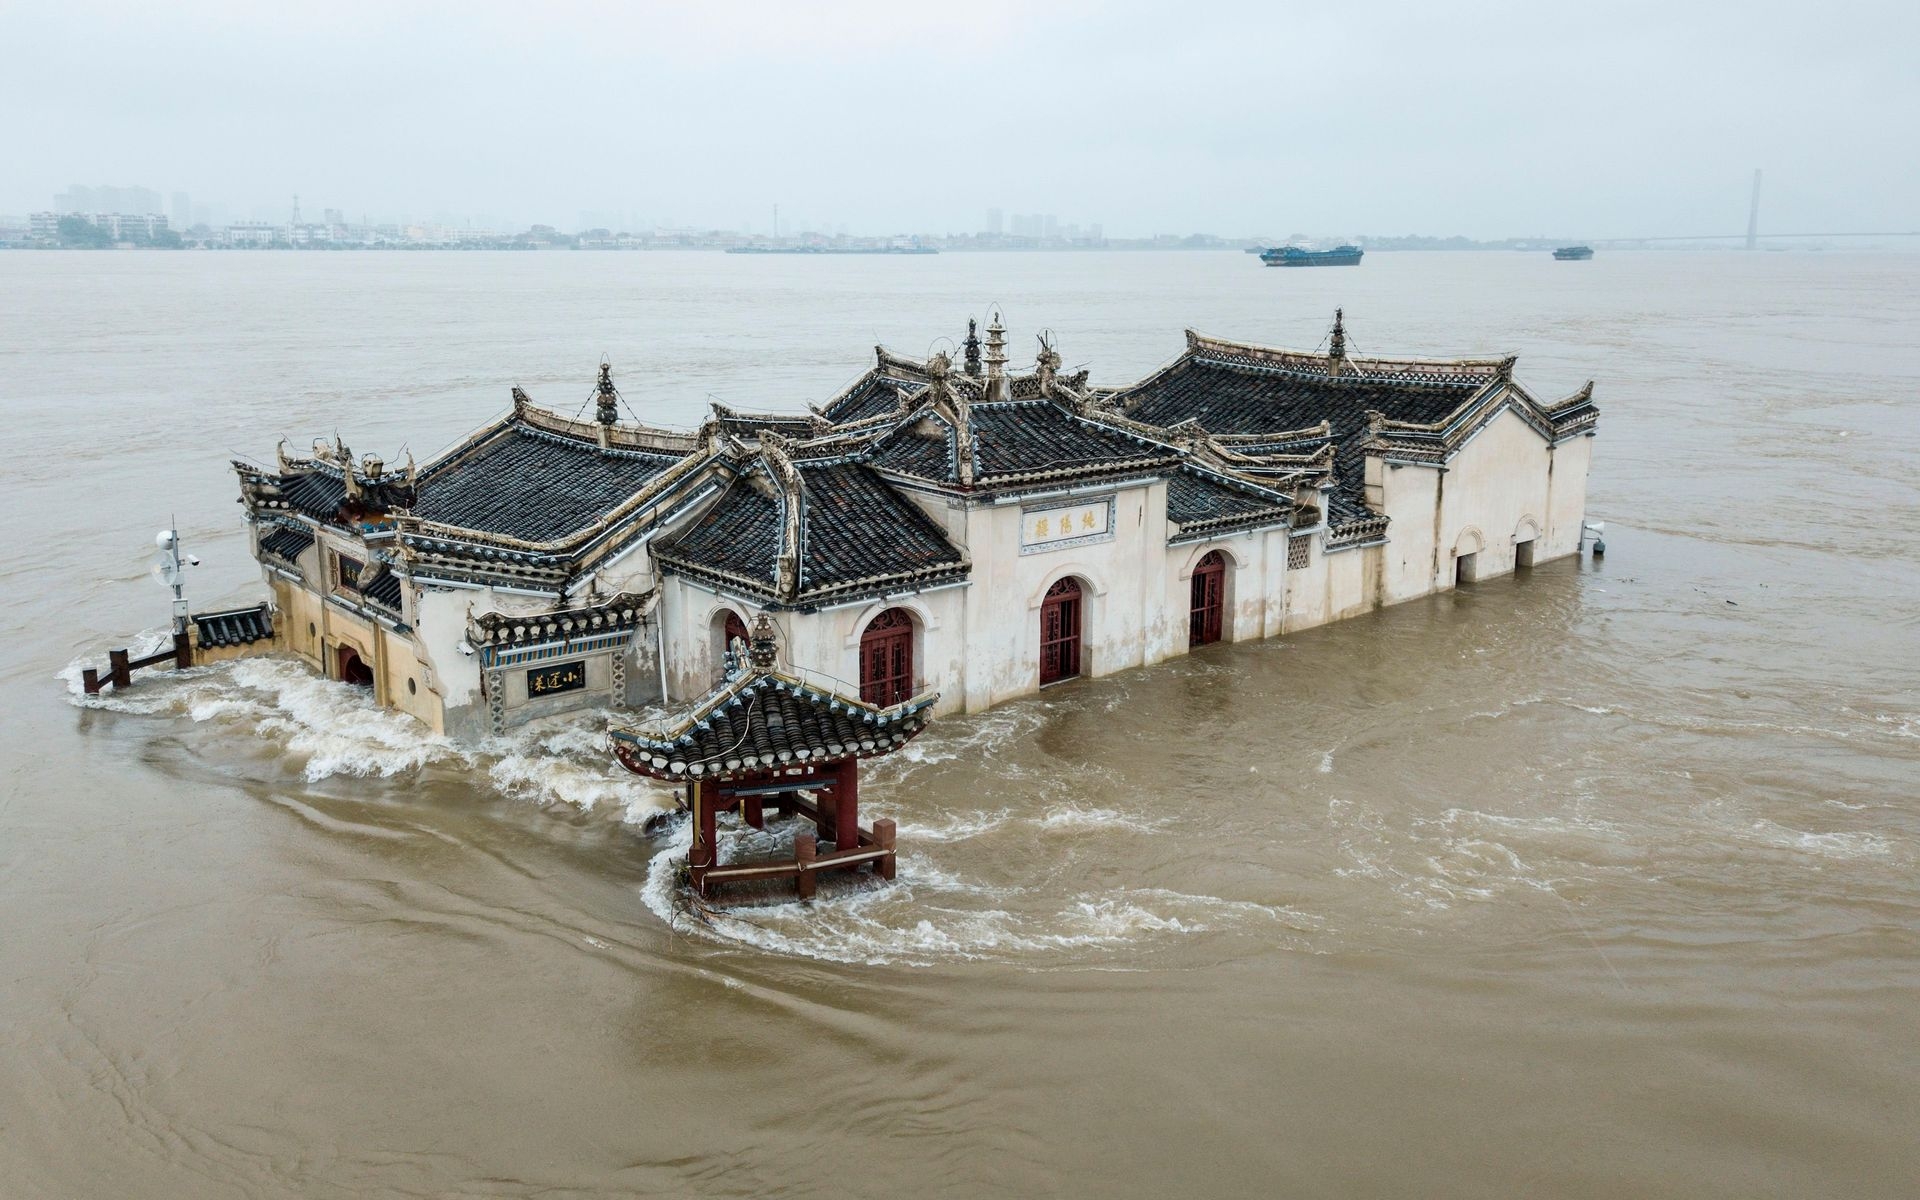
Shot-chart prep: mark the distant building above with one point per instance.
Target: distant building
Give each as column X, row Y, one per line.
column 254, row 233
column 80, row 200
column 996, row 222
column 182, row 211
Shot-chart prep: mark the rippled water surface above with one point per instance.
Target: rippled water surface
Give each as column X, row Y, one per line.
column 1596, row 882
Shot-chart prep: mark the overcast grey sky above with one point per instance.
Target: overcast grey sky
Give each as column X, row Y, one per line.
column 1593, row 119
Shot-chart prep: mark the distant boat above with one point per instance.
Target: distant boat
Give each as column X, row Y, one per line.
column 1573, row 253
column 1294, row 256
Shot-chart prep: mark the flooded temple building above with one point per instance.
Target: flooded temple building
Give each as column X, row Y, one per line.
column 945, row 527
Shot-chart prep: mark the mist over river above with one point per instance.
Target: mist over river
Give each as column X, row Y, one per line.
column 1599, row 881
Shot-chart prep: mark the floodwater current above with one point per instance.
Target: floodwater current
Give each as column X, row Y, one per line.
column 1595, row 882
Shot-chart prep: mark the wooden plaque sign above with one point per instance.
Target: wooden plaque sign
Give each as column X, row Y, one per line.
column 545, row 681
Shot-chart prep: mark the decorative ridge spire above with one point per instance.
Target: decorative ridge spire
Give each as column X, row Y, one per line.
column 996, row 358
column 606, row 399
column 973, row 348
column 1337, row 348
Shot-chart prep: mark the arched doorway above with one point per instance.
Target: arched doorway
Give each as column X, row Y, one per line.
column 886, row 659
column 727, row 627
column 1206, row 610
column 351, row 669
column 1060, row 632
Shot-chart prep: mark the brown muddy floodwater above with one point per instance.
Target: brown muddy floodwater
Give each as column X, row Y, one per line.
column 1598, row 882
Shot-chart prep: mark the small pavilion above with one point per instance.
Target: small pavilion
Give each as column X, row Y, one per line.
column 765, row 736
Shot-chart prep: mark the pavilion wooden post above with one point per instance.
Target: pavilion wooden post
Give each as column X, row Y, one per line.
column 883, row 835
column 702, row 854
column 119, row 669
column 846, row 806
column 183, row 649
column 752, row 813
column 803, row 855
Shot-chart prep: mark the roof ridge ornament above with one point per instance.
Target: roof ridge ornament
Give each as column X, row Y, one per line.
column 606, row 398
column 952, row 403
column 763, row 651
column 996, row 358
column 775, row 451
column 972, row 345
column 1337, row 346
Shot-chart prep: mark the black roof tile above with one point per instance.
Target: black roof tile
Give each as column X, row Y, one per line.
column 238, row 627
column 854, row 528
column 384, row 591
column 738, row 536
column 1196, row 496
column 857, row 527
column 872, row 396
column 761, row 720
column 531, row 485
column 1228, row 399
column 287, row 542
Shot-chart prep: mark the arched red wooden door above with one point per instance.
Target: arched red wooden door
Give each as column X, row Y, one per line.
column 736, row 628
column 1209, row 600
column 1060, row 632
column 886, row 659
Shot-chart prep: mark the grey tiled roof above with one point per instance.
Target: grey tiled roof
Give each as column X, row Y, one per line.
column 1015, row 438
column 739, row 536
column 238, row 627
column 1202, row 498
column 872, row 396
column 856, row 533
column 317, row 493
column 286, row 542
column 384, row 591
column 1241, row 400
column 532, row 485
column 762, row 720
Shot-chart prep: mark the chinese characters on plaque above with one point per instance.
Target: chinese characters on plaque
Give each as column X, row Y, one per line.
column 1043, row 529
column 544, row 681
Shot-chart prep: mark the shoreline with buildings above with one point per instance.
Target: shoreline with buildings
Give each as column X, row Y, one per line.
column 103, row 218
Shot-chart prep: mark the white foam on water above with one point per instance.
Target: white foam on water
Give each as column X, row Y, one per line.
column 1076, row 816
column 334, row 729
column 1835, row 845
column 1898, row 726
column 930, row 914
column 957, row 827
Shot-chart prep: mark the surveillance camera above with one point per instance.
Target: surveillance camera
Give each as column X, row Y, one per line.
column 464, row 647
column 193, row 560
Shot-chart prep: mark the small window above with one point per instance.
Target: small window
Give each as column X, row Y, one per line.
column 1297, row 551
column 412, row 688
column 346, row 573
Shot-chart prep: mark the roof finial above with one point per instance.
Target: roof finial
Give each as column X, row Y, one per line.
column 1047, row 362
column 764, row 650
column 1339, row 347
column 607, row 407
column 996, row 358
column 973, row 348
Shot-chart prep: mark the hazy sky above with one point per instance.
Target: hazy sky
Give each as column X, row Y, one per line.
column 1593, row 119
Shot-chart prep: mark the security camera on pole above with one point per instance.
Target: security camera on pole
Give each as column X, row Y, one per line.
column 171, row 572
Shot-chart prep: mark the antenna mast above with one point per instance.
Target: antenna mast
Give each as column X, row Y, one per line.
column 1753, row 213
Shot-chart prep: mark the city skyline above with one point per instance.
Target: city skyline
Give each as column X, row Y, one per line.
column 1622, row 120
